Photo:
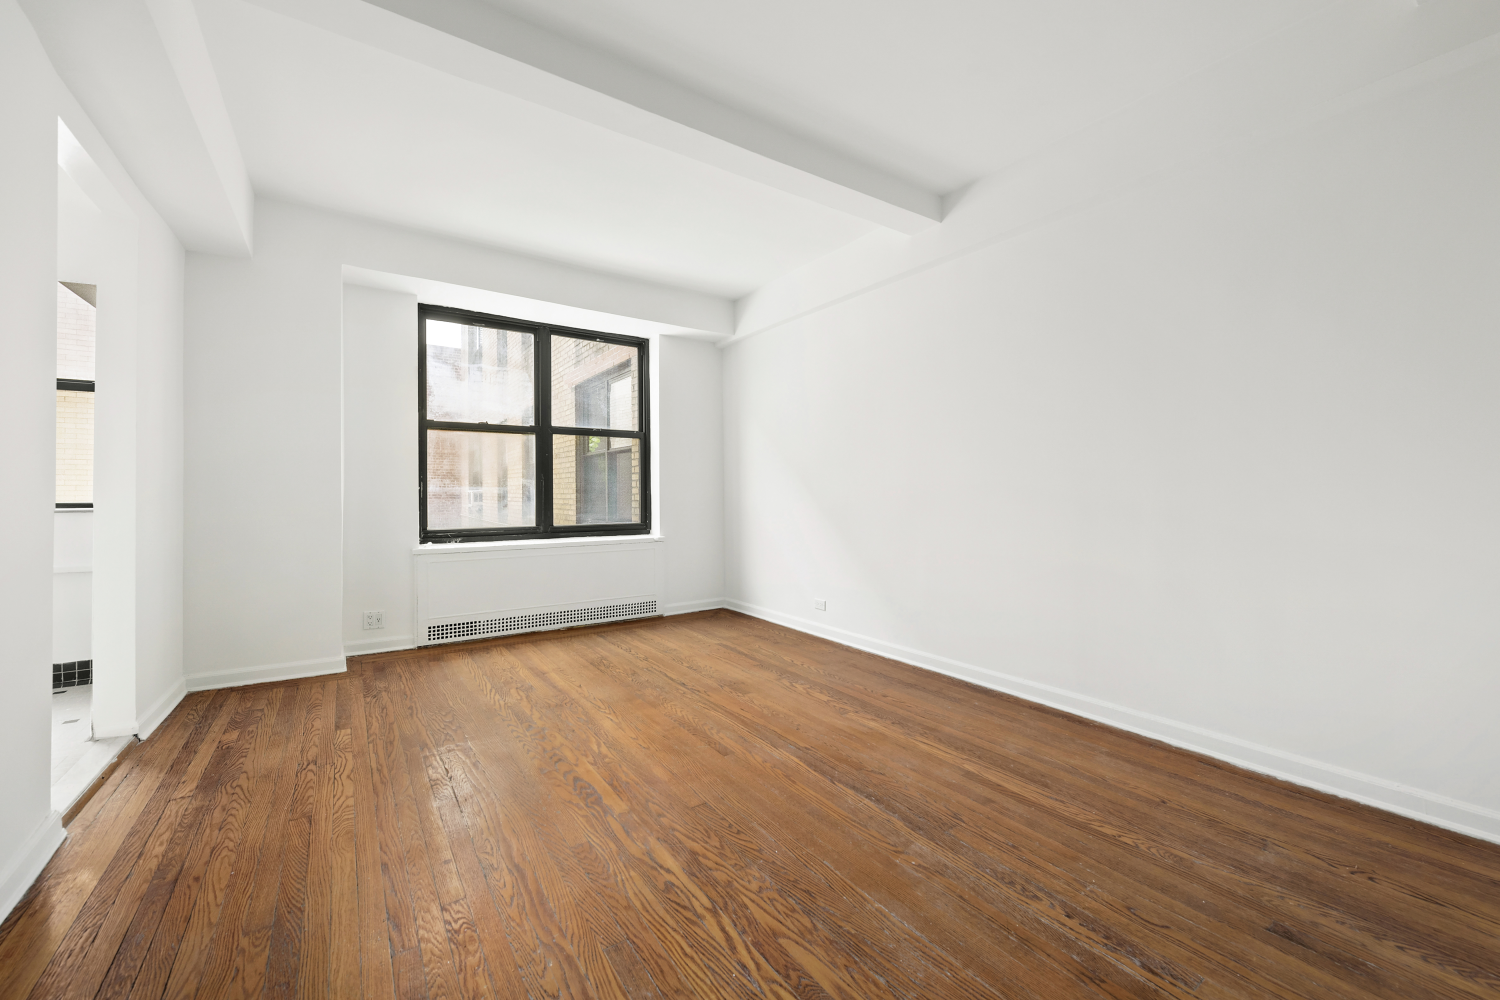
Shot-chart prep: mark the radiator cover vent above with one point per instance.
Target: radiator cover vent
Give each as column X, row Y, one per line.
column 479, row 628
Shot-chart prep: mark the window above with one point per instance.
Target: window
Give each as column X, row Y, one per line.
column 527, row 430
column 75, row 394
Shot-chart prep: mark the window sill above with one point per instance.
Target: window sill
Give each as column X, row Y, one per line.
column 438, row 548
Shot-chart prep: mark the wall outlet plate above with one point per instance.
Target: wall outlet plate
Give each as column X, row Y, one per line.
column 374, row 619
column 820, row 605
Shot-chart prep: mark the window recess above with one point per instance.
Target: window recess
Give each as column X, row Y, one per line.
column 529, row 430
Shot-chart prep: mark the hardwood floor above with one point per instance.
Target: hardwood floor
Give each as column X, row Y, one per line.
column 710, row 806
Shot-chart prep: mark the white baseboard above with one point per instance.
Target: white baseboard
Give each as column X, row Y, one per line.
column 686, row 607
column 157, row 713
column 1429, row 807
column 268, row 672
column 384, row 644
column 26, row 864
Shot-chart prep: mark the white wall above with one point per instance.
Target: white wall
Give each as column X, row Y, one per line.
column 158, row 525
column 689, row 496
column 142, row 284
column 301, row 433
column 72, row 584
column 380, row 465
column 29, row 831
column 263, row 489
column 1213, row 459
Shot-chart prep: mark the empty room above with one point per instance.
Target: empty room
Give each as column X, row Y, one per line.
column 636, row 498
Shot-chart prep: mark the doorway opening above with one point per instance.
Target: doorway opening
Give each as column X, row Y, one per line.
column 78, row 758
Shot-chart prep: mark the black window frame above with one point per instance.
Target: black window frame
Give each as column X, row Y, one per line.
column 542, row 428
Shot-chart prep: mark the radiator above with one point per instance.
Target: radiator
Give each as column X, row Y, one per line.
column 466, row 593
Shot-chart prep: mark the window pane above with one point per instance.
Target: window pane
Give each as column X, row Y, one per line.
column 596, row 480
column 75, row 447
column 478, row 374
column 75, row 332
column 479, row 480
column 594, row 384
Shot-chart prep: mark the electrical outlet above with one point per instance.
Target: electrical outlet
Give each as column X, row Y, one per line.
column 820, row 605
column 374, row 619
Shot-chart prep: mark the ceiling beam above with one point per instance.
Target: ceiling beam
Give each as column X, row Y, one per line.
column 483, row 44
column 140, row 71
column 182, row 37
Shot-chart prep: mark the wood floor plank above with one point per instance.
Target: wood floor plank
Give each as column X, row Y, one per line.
column 494, row 939
column 175, row 961
column 849, row 827
column 870, row 845
column 1228, row 805
column 714, row 806
column 314, row 969
column 401, row 923
column 1016, row 870
column 428, row 728
column 630, row 944
column 710, row 949
column 220, row 967
column 760, row 857
column 293, row 935
column 523, row 877
column 376, row 968
column 111, row 907
column 711, row 955
column 427, row 910
column 176, row 878
column 1456, row 968
column 1197, row 778
column 343, row 876
column 754, row 903
column 206, row 869
column 37, row 927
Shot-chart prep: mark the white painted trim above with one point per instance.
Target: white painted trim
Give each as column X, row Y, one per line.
column 109, row 734
column 384, row 644
column 72, row 569
column 23, row 869
column 686, row 607
column 268, row 672
column 528, row 544
column 68, row 789
column 1415, row 803
column 157, row 713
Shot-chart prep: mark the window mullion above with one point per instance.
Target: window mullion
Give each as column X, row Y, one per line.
column 459, row 425
column 542, row 405
column 598, row 432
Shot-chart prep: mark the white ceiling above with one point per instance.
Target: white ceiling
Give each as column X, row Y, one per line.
column 943, row 91
column 706, row 146
column 940, row 93
column 328, row 121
